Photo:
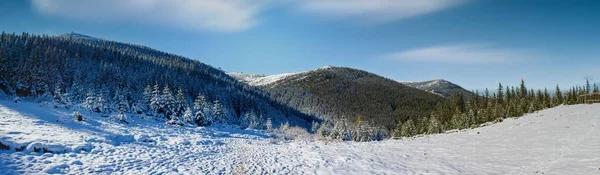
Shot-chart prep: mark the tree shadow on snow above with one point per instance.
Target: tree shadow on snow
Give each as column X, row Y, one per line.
column 65, row 119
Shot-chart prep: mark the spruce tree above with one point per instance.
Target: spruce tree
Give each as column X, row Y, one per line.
column 500, row 97
column 218, row 111
column 523, row 89
column 558, row 96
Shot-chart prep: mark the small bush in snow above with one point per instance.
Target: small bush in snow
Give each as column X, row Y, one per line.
column 78, row 116
column 121, row 117
column 287, row 132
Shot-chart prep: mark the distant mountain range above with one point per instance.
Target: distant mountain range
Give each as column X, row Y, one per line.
column 335, row 92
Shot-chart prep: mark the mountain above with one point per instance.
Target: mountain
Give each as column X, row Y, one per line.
column 333, row 92
column 440, row 87
column 87, row 73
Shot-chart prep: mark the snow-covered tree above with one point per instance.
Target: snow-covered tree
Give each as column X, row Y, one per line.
column 202, row 115
column 250, row 120
column 434, row 126
column 218, row 111
column 120, row 100
column 168, row 106
column 90, row 102
column 340, row 130
column 269, row 125
column 61, row 100
column 180, row 103
column 314, row 127
column 147, row 97
column 155, row 101
column 188, row 116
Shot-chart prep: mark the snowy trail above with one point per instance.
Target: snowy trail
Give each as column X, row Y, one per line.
column 562, row 140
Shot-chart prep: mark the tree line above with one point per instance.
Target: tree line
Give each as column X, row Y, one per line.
column 506, row 101
column 109, row 77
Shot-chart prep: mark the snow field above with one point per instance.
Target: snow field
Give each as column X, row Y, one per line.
column 562, row 140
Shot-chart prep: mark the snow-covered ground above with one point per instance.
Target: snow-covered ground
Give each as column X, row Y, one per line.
column 563, row 140
column 265, row 80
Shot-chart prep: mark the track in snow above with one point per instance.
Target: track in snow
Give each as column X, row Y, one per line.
column 562, row 140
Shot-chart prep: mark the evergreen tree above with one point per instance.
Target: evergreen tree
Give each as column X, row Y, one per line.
column 147, row 97
column 500, row 97
column 407, row 129
column 180, row 103
column 523, row 89
column 314, row 127
column 156, row 101
column 90, row 102
column 188, row 116
column 558, row 96
column 587, row 86
column 218, row 112
column 167, row 105
column 202, row 116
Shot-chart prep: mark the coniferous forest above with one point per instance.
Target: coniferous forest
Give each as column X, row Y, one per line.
column 114, row 79
column 117, row 79
column 504, row 102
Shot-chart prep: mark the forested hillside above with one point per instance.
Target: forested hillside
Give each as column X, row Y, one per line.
column 355, row 96
column 78, row 71
column 505, row 102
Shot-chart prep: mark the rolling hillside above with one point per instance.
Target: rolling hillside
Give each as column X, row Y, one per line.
column 335, row 92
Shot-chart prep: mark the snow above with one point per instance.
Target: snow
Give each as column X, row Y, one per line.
column 264, row 80
column 562, row 140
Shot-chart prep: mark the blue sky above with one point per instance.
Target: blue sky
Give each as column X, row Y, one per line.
column 474, row 43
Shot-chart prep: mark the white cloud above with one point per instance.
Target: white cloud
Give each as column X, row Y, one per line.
column 461, row 53
column 233, row 15
column 374, row 11
column 193, row 15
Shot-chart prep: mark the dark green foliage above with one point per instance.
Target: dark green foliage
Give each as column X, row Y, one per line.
column 69, row 66
column 456, row 113
column 333, row 92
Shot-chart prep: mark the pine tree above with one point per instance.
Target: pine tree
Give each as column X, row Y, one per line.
column 434, row 126
column 315, row 126
column 218, row 111
column 169, row 106
column 90, row 102
column 558, row 96
column 340, row 130
column 408, row 129
column 121, row 102
column 147, row 97
column 181, row 103
column 101, row 104
column 202, row 116
column 500, row 97
column 155, row 101
column 523, row 89
column 587, row 86
column 188, row 116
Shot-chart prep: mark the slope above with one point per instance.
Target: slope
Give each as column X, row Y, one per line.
column 562, row 140
column 333, row 92
column 441, row 87
column 74, row 70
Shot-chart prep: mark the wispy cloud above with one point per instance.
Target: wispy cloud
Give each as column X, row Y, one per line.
column 462, row 53
column 214, row 15
column 374, row 11
column 233, row 15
